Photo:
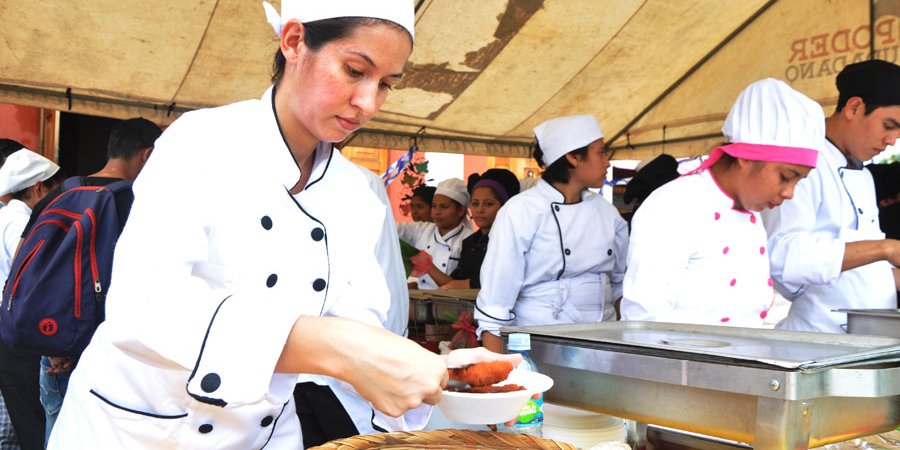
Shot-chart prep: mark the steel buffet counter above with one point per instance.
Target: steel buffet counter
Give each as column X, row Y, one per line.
column 772, row 389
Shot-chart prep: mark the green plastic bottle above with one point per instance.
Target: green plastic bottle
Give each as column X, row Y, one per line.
column 531, row 418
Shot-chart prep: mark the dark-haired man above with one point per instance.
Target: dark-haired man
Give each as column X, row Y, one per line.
column 129, row 146
column 826, row 249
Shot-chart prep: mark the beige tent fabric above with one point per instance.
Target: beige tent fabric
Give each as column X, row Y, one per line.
column 659, row 74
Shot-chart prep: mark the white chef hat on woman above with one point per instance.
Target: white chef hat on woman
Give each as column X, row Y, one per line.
column 455, row 189
column 400, row 12
column 24, row 168
column 563, row 134
column 772, row 122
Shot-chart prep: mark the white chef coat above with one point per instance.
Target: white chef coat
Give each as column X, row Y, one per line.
column 396, row 318
column 550, row 262
column 834, row 205
column 444, row 250
column 13, row 219
column 215, row 265
column 693, row 258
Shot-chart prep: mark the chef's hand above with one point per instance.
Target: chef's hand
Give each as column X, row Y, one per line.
column 421, row 262
column 397, row 374
column 393, row 373
column 465, row 356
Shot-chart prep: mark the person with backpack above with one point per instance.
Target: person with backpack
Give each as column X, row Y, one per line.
column 27, row 177
column 130, row 144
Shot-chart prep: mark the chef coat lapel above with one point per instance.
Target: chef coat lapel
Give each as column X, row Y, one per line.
column 858, row 195
column 447, row 239
column 566, row 217
column 274, row 146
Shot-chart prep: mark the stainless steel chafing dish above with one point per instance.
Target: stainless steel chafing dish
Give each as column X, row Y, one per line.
column 876, row 322
column 773, row 389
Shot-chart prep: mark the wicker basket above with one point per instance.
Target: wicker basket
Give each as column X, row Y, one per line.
column 444, row 439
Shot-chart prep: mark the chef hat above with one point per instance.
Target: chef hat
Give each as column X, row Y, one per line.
column 772, row 122
column 455, row 189
column 400, row 12
column 877, row 82
column 563, row 134
column 24, row 168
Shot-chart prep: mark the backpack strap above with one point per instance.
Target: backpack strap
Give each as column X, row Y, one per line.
column 119, row 185
column 72, row 182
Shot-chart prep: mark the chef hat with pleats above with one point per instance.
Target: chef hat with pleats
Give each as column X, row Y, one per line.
column 400, row 12
column 774, row 123
column 563, row 134
column 455, row 189
column 24, row 168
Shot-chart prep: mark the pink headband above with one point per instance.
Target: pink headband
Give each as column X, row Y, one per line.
column 495, row 186
column 762, row 152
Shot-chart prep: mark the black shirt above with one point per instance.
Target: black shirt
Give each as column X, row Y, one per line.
column 474, row 248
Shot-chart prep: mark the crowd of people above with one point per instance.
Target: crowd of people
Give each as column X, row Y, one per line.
column 230, row 282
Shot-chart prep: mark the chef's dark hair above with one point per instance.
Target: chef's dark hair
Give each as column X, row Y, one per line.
column 559, row 170
column 503, row 177
column 320, row 32
column 426, row 193
column 131, row 136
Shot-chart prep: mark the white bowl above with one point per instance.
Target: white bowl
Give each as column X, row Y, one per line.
column 479, row 409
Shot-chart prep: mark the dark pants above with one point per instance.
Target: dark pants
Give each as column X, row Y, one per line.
column 22, row 392
column 322, row 417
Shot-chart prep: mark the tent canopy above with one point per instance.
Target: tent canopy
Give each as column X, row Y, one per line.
column 660, row 75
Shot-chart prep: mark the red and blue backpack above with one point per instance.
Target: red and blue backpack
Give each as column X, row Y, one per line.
column 54, row 297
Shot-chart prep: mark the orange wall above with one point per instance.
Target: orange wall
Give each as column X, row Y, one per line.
column 22, row 124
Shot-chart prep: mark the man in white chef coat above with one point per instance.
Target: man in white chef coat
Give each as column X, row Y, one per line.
column 826, row 249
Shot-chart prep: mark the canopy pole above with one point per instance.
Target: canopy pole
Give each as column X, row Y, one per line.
column 871, row 29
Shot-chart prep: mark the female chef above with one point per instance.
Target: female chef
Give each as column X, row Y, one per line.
column 698, row 247
column 489, row 192
column 443, row 238
column 209, row 322
column 555, row 248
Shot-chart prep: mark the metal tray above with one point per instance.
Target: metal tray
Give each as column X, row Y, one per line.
column 786, row 349
column 876, row 322
column 772, row 389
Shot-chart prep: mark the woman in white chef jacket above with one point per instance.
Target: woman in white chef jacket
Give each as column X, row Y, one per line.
column 698, row 247
column 442, row 239
column 555, row 249
column 209, row 321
